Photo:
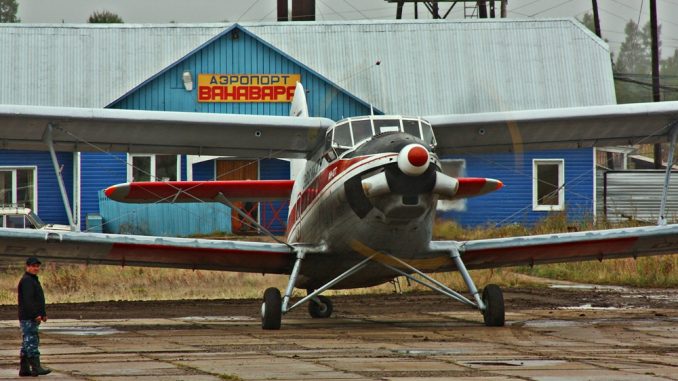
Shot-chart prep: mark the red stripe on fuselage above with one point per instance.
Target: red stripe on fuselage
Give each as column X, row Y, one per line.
column 334, row 172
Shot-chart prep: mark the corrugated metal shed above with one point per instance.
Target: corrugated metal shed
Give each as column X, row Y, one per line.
column 434, row 67
column 426, row 67
column 636, row 195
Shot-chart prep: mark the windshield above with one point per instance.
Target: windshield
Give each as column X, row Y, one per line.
column 348, row 134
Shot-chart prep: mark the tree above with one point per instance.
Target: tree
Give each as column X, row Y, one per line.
column 669, row 77
column 104, row 17
column 8, row 9
column 633, row 65
column 588, row 22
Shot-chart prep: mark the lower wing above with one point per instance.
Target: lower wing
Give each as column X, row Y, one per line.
column 187, row 253
column 564, row 247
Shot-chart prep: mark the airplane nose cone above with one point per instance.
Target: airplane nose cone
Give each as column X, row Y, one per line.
column 413, row 159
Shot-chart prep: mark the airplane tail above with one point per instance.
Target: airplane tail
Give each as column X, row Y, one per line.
column 299, row 107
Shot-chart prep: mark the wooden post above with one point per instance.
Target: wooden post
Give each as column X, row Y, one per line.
column 656, row 95
column 596, row 19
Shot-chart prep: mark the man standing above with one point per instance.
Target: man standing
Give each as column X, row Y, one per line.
column 31, row 314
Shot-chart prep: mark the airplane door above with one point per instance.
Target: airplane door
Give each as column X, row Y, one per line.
column 240, row 170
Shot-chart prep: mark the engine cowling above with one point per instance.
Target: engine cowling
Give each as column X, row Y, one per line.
column 413, row 159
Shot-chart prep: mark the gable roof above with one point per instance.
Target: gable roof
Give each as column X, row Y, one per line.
column 425, row 66
column 231, row 29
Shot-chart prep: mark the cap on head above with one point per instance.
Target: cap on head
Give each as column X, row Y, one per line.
column 33, row 261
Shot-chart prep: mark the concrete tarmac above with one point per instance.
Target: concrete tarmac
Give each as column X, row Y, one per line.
column 549, row 344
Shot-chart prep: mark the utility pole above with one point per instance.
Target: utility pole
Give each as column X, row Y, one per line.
column 596, row 19
column 656, row 95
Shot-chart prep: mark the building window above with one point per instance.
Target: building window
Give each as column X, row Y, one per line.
column 548, row 178
column 153, row 167
column 454, row 168
column 17, row 189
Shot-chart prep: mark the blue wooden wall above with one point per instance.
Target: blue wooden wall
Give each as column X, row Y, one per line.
column 165, row 92
column 50, row 206
column 513, row 203
column 182, row 219
column 98, row 170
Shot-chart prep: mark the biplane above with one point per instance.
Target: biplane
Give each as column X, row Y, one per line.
column 362, row 210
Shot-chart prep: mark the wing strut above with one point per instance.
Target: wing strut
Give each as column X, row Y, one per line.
column 667, row 177
column 47, row 138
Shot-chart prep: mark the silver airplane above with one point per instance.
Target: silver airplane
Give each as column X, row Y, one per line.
column 362, row 210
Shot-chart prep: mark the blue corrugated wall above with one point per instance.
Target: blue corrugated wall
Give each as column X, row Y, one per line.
column 513, row 203
column 50, row 206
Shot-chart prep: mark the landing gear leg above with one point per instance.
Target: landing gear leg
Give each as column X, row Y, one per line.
column 492, row 302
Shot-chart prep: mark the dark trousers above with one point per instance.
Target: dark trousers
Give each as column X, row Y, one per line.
column 30, row 340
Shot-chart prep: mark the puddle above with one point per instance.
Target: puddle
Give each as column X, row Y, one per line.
column 589, row 307
column 515, row 363
column 217, row 318
column 80, row 331
column 587, row 287
column 551, row 323
column 428, row 352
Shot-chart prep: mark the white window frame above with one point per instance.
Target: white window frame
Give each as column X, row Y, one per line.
column 130, row 165
column 35, row 183
column 561, row 183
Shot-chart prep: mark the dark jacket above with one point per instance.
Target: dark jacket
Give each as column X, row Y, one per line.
column 31, row 297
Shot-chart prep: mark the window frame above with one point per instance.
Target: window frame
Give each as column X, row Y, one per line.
column 13, row 169
column 560, row 186
column 130, row 165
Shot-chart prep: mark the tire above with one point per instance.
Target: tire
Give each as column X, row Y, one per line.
column 494, row 303
column 320, row 311
column 271, row 309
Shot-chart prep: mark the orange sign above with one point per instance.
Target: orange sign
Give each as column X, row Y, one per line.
column 247, row 87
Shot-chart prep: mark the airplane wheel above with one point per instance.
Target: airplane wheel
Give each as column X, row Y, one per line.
column 271, row 309
column 494, row 303
column 320, row 310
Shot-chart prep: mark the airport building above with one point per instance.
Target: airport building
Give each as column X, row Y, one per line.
column 417, row 68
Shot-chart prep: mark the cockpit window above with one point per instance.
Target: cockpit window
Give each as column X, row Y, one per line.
column 386, row 125
column 411, row 127
column 342, row 135
column 427, row 133
column 362, row 129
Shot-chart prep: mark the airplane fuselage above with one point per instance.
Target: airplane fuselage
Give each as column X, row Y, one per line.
column 331, row 206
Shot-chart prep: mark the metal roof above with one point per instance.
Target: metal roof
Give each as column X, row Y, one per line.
column 424, row 67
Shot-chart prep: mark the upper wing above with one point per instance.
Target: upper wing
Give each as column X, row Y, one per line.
column 564, row 247
column 207, row 191
column 78, row 129
column 187, row 253
column 578, row 127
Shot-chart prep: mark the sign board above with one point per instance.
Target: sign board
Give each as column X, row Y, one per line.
column 246, row 87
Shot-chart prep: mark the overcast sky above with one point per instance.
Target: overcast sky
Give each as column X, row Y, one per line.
column 614, row 13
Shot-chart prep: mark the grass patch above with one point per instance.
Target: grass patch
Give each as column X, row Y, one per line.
column 80, row 283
